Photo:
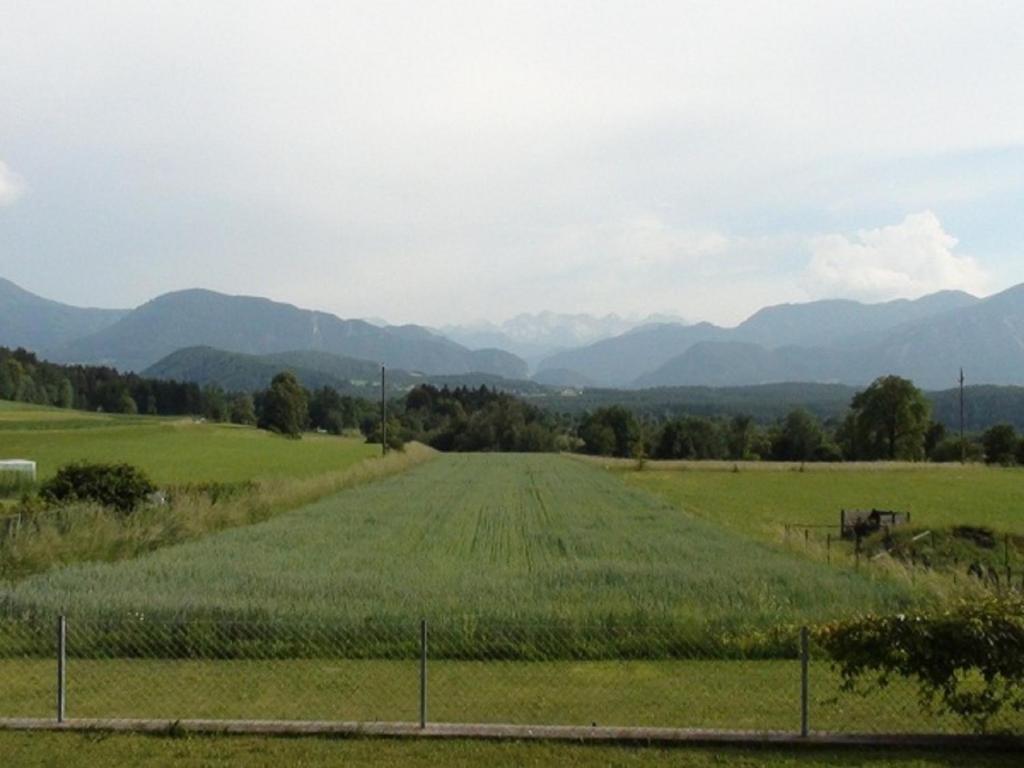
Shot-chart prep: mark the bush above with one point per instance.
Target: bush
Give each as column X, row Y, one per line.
column 951, row 450
column 118, row 486
column 968, row 660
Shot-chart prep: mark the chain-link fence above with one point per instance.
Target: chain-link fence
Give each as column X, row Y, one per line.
column 454, row 672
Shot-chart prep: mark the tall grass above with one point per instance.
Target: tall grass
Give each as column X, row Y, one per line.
column 483, row 544
column 36, row 540
column 15, row 484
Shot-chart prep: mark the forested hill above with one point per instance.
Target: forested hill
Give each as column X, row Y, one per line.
column 260, row 326
column 237, row 372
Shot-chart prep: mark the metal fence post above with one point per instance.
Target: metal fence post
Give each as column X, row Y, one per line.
column 62, row 644
column 804, row 681
column 423, row 673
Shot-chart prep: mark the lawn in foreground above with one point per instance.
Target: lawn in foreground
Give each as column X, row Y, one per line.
column 476, row 538
column 725, row 695
column 172, row 451
column 70, row 749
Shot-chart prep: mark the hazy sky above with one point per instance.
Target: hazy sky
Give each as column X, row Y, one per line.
column 443, row 161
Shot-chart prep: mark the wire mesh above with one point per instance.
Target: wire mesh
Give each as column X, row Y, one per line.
column 897, row 706
column 28, row 672
column 529, row 674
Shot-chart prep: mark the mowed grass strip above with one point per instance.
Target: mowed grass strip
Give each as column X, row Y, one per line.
column 474, row 539
column 726, row 695
column 761, row 502
column 171, row 451
column 68, row 750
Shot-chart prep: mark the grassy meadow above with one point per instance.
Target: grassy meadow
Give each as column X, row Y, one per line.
column 172, row 451
column 478, row 538
column 219, row 476
column 759, row 500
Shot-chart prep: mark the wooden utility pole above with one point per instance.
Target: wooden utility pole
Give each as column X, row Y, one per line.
column 383, row 413
column 963, row 445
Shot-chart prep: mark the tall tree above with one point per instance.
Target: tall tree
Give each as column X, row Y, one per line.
column 799, row 437
column 610, row 431
column 242, row 409
column 285, row 406
column 1000, row 444
column 890, row 420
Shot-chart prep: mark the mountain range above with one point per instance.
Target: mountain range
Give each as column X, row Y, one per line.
column 134, row 340
column 536, row 336
column 927, row 340
column 30, row 321
column 831, row 341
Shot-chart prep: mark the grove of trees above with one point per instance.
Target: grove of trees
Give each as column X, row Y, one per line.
column 889, row 420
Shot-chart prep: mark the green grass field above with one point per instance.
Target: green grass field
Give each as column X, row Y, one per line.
column 482, row 538
column 729, row 695
column 761, row 499
column 172, row 451
column 39, row 750
column 623, row 587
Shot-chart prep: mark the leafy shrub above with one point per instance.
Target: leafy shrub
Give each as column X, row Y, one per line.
column 968, row 660
column 119, row 486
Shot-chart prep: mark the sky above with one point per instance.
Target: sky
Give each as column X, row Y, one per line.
column 443, row 162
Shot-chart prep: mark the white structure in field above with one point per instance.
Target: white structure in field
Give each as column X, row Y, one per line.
column 18, row 465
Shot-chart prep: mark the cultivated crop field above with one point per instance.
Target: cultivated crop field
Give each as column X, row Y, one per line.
column 480, row 537
column 171, row 450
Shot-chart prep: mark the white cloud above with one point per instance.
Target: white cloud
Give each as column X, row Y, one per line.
column 11, row 185
column 905, row 260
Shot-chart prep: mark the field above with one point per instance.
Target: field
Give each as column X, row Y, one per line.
column 759, row 500
column 30, row 750
column 556, row 591
column 172, row 451
column 495, row 538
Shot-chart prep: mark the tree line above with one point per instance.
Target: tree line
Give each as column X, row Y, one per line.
column 890, row 420
column 25, row 378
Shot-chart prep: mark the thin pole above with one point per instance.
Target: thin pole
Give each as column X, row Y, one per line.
column 963, row 446
column 383, row 413
column 62, row 644
column 804, row 682
column 423, row 673
column 828, row 547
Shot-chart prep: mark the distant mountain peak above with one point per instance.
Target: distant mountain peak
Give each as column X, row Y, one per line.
column 30, row 321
